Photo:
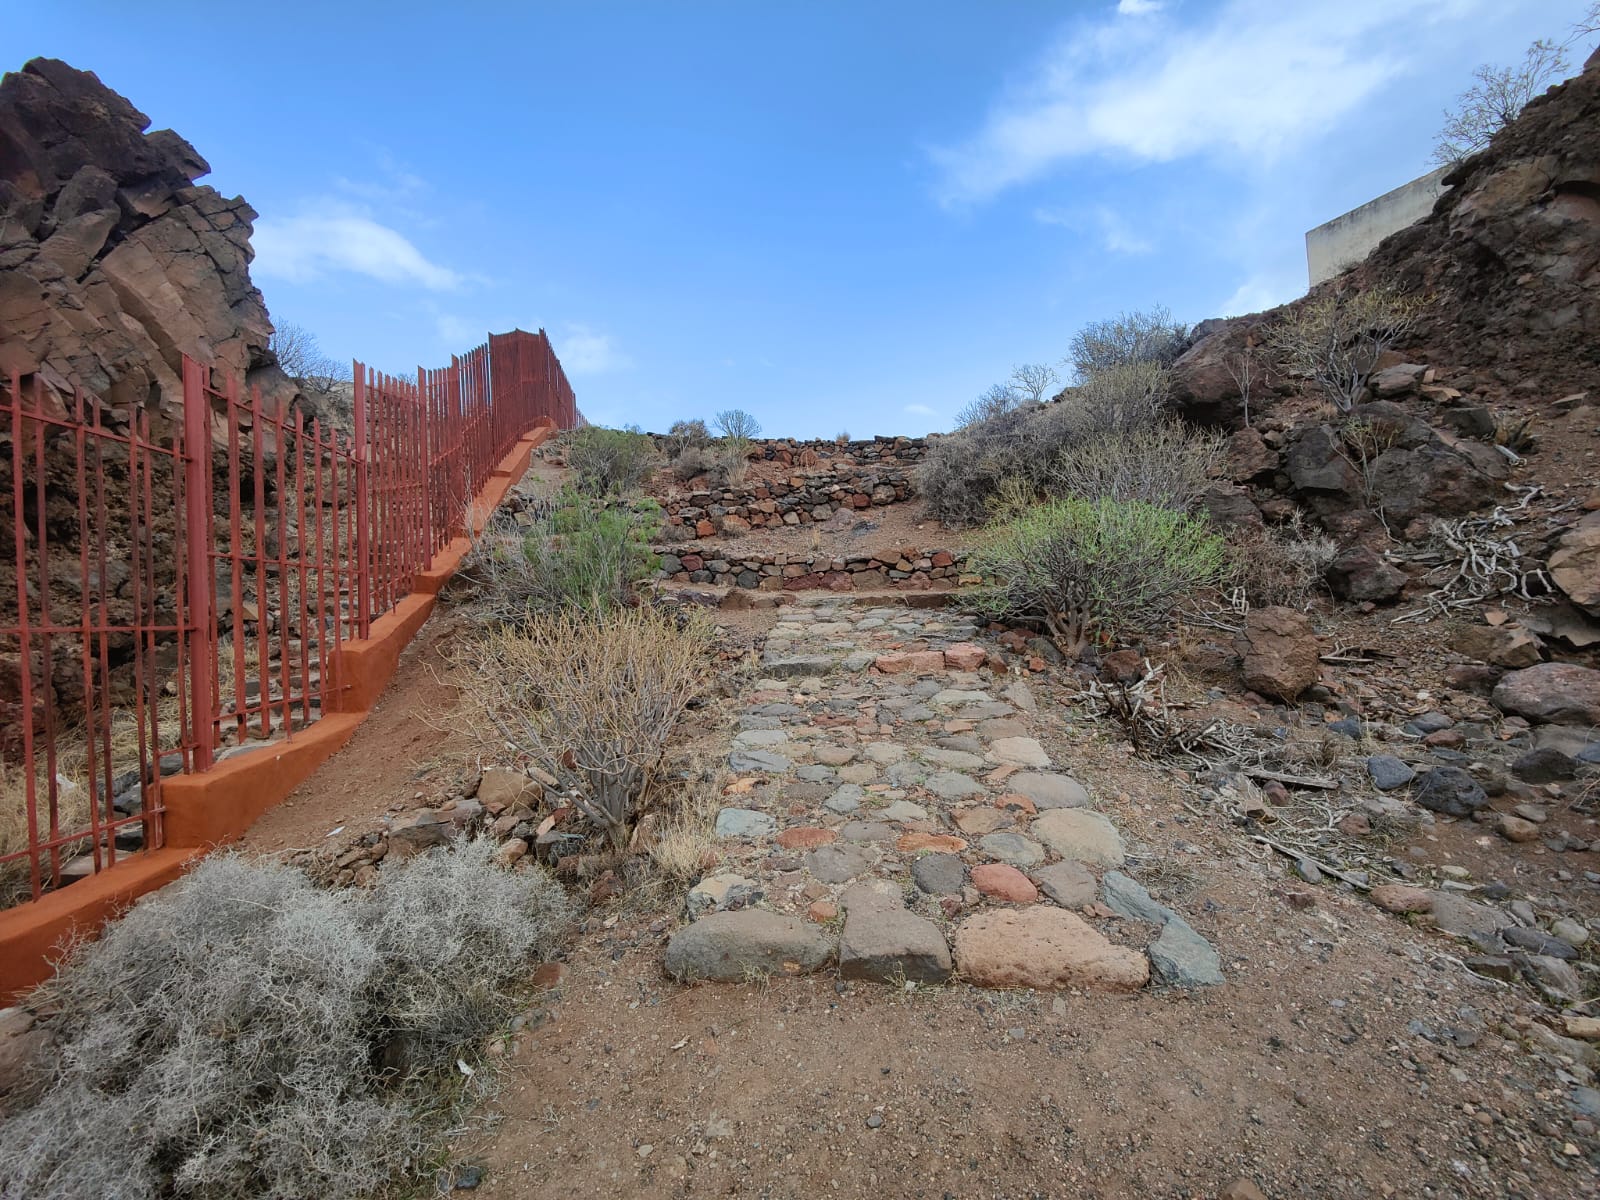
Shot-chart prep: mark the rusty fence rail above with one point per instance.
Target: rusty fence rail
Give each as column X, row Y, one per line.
column 180, row 588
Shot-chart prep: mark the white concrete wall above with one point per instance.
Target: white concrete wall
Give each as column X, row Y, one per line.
column 1346, row 240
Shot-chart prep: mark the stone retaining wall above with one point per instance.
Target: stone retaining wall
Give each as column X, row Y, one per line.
column 910, row 567
column 797, row 500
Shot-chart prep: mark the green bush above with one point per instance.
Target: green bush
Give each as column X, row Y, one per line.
column 609, row 461
column 1089, row 570
column 581, row 554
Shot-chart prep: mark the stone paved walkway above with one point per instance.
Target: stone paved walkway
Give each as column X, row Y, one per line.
column 895, row 814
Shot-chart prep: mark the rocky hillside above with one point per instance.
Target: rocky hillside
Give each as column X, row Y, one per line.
column 1507, row 264
column 114, row 264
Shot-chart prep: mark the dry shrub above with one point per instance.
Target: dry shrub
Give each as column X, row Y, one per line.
column 609, row 461
column 1334, row 339
column 963, row 474
column 244, row 1033
column 685, row 435
column 1141, row 337
column 1164, row 462
column 1283, row 566
column 594, row 700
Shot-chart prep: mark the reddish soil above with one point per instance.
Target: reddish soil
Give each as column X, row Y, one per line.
column 397, row 755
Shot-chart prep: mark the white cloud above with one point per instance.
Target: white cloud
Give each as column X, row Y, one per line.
column 460, row 332
column 1262, row 291
column 920, row 410
column 1248, row 81
column 339, row 239
column 1116, row 233
column 585, row 351
column 1139, row 8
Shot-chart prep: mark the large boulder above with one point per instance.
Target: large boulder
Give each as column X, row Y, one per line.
column 1282, row 655
column 1555, row 693
column 114, row 264
column 1574, row 565
column 1361, row 573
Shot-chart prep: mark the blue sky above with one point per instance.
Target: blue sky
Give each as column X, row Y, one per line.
column 837, row 216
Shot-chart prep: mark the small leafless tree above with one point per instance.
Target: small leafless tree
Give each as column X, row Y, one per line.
column 1147, row 336
column 737, row 424
column 1495, row 100
column 1245, row 370
column 1034, row 381
column 1001, row 398
column 1334, row 340
column 303, row 361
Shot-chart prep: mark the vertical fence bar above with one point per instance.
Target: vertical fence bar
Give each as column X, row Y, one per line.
column 196, row 465
column 363, row 561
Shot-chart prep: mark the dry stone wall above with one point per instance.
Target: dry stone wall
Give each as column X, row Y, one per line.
column 911, row 567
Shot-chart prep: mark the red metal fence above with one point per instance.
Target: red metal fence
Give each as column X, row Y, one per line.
column 180, row 589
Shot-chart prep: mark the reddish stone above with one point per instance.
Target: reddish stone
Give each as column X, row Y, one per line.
column 999, row 881
column 1036, row 664
column 941, row 843
column 964, row 656
column 943, row 559
column 822, row 910
column 860, row 501
column 733, row 524
column 1448, row 738
column 805, row 837
column 839, row 581
column 548, row 975
column 915, row 662
column 692, row 562
column 704, row 529
column 1015, row 801
column 802, row 583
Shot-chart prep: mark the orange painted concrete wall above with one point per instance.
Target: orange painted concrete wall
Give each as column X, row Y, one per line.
column 217, row 806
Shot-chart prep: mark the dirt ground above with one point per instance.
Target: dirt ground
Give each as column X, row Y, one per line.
column 1349, row 1054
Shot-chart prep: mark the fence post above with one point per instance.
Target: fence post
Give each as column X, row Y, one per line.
column 197, row 538
column 363, row 562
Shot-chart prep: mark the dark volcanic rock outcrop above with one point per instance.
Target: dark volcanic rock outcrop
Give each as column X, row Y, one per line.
column 1507, row 264
column 113, row 263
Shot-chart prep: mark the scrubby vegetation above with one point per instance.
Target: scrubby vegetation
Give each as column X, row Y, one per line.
column 1021, row 448
column 595, row 699
column 580, row 553
column 1150, row 337
column 1334, row 339
column 1163, row 462
column 1091, row 570
column 692, row 451
column 1283, row 565
column 244, row 1033
column 609, row 461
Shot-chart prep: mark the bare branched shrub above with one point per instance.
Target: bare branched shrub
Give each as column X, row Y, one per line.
column 737, row 424
column 1165, row 463
column 1281, row 566
column 1496, row 99
column 1034, row 382
column 1335, row 339
column 997, row 401
column 594, row 700
column 685, row 435
column 303, row 360
column 1088, row 570
column 1149, row 336
column 243, row 1033
column 1245, row 368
